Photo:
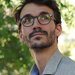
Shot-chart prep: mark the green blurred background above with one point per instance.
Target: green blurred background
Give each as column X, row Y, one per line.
column 15, row 58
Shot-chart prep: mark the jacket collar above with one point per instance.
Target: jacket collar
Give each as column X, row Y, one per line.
column 53, row 63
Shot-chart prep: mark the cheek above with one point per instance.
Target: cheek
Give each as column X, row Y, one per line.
column 50, row 30
column 50, row 26
column 24, row 38
column 25, row 31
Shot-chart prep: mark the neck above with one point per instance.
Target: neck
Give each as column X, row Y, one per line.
column 42, row 57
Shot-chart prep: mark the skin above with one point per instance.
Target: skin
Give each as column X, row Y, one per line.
column 40, row 56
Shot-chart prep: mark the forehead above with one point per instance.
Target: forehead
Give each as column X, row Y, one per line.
column 34, row 9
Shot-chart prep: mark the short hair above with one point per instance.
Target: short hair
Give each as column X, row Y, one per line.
column 49, row 3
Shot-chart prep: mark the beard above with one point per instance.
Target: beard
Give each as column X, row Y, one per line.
column 48, row 43
column 50, row 39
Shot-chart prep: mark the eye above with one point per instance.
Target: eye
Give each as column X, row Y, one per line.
column 44, row 17
column 27, row 19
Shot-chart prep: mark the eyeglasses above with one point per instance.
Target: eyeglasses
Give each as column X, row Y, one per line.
column 28, row 20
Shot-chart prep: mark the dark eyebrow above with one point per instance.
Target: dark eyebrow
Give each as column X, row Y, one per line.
column 43, row 12
column 25, row 15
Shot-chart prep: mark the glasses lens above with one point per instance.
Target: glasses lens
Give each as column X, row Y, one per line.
column 27, row 20
column 44, row 18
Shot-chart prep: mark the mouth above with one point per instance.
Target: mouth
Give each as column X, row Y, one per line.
column 37, row 34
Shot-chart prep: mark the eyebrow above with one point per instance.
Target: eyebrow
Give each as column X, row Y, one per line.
column 25, row 15
column 43, row 12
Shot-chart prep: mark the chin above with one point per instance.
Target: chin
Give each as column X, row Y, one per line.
column 40, row 45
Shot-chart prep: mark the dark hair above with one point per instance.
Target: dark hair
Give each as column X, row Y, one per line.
column 50, row 3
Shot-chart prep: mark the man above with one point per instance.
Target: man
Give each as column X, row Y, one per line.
column 39, row 27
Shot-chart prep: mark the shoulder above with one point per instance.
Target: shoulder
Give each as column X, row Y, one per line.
column 67, row 62
column 66, row 66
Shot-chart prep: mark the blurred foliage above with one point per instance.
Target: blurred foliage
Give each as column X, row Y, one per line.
column 15, row 58
column 68, row 12
column 68, row 15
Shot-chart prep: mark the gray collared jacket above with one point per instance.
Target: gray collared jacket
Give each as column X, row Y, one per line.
column 58, row 65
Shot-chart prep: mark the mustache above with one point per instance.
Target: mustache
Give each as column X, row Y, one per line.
column 36, row 31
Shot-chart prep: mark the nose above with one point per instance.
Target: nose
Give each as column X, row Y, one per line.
column 36, row 24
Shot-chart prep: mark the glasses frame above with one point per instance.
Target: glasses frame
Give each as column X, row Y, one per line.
column 33, row 17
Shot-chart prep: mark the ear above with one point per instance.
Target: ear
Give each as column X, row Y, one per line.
column 58, row 30
column 20, row 36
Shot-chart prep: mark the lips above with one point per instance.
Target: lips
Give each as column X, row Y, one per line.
column 37, row 34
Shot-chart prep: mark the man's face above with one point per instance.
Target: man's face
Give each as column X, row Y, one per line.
column 38, row 36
